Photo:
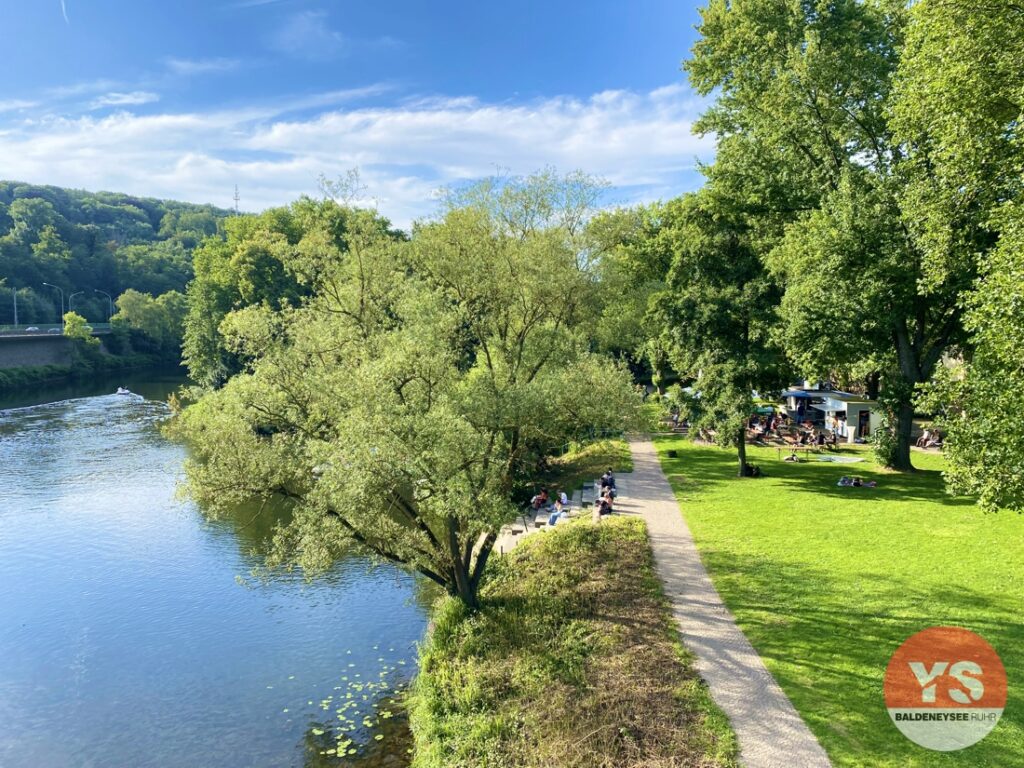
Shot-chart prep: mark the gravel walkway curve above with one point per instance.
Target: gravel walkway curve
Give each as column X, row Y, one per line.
column 768, row 728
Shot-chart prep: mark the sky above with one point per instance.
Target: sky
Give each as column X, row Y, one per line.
column 186, row 99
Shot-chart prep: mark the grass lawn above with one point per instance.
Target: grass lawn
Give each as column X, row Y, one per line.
column 573, row 661
column 827, row 582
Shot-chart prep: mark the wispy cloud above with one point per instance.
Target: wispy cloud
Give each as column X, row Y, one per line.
column 308, row 35
column 641, row 142
column 132, row 99
column 64, row 12
column 80, row 89
column 201, row 66
column 13, row 105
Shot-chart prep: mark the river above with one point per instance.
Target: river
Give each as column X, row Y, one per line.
column 131, row 631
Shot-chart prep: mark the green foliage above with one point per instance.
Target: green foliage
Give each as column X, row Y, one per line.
column 400, row 402
column 75, row 327
column 719, row 315
column 270, row 260
column 572, row 661
column 160, row 320
column 979, row 400
column 12, row 379
column 960, row 103
column 827, row 582
column 808, row 158
column 81, row 241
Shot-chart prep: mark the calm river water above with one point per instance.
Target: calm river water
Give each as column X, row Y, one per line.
column 130, row 632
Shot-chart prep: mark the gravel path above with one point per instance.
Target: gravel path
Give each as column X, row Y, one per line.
column 770, row 732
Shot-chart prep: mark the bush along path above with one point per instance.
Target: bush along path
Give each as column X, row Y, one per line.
column 768, row 728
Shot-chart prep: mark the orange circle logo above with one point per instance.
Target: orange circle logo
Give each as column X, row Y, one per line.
column 945, row 688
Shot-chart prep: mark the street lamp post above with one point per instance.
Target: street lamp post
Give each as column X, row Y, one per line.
column 61, row 303
column 71, row 299
column 110, row 303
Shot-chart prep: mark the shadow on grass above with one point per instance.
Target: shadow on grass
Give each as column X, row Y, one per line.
column 698, row 468
column 828, row 643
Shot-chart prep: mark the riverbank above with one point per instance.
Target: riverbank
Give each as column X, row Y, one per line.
column 14, row 379
column 573, row 660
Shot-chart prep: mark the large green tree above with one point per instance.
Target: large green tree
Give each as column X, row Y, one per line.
column 720, row 314
column 399, row 405
column 807, row 155
column 960, row 105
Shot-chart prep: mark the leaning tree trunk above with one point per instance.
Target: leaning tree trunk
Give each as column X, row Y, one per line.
column 742, row 450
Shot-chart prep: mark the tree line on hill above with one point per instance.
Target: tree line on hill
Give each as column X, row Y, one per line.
column 89, row 244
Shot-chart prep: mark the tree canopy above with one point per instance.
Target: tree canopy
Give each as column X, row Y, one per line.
column 399, row 404
column 961, row 101
column 807, row 155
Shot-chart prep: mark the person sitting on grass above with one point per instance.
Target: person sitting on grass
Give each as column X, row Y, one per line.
column 935, row 441
column 855, row 482
column 924, row 439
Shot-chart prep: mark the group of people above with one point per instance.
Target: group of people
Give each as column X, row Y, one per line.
column 809, row 434
column 559, row 508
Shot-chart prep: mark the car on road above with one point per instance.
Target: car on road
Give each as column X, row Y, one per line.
column 54, row 330
column 32, row 328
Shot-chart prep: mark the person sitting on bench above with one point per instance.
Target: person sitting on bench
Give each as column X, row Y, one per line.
column 608, row 481
column 558, row 514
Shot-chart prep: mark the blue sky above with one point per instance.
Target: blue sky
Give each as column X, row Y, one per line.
column 185, row 99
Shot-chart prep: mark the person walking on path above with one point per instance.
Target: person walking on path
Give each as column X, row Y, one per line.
column 768, row 729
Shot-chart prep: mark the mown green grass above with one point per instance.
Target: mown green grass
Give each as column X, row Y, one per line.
column 827, row 582
column 573, row 661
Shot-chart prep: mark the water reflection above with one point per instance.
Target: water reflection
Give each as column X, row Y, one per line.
column 124, row 636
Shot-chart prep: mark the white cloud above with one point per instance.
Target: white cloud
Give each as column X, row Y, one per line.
column 640, row 142
column 14, row 105
column 308, row 35
column 201, row 66
column 131, row 99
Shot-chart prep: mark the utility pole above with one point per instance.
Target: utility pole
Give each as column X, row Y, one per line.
column 237, row 198
column 15, row 292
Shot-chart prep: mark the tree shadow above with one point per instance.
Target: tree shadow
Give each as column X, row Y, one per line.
column 828, row 643
column 698, row 468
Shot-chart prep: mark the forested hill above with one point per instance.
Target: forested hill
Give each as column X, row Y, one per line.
column 89, row 242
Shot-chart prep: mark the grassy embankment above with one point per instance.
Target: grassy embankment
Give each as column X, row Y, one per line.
column 585, row 463
column 12, row 379
column 573, row 661
column 828, row 581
